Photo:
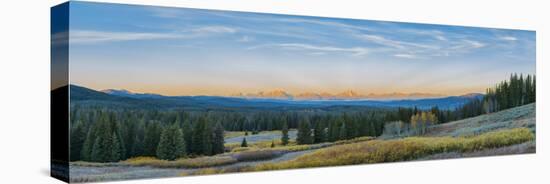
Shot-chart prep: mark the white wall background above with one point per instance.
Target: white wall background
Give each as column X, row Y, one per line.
column 24, row 90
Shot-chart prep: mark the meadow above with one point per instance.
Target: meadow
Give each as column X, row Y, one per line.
column 411, row 148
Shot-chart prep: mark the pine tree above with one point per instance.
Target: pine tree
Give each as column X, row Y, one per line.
column 187, row 136
column 86, row 153
column 243, row 143
column 198, row 136
column 272, row 144
column 218, row 139
column 103, row 144
column 319, row 133
column 151, row 138
column 137, row 146
column 208, row 138
column 171, row 145
column 116, row 152
column 77, row 139
column 333, row 131
column 284, row 138
column 304, row 132
column 342, row 132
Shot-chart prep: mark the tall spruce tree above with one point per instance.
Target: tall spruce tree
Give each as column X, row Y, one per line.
column 171, row 145
column 151, row 138
column 284, row 137
column 77, row 139
column 319, row 132
column 304, row 132
column 187, row 136
column 343, row 132
column 218, row 139
column 116, row 151
column 103, row 144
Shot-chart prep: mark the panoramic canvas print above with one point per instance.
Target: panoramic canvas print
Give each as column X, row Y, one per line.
column 166, row 92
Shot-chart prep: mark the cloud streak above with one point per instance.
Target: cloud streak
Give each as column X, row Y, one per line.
column 89, row 37
column 315, row 49
column 508, row 38
column 93, row 36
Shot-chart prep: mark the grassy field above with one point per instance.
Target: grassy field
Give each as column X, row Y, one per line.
column 378, row 151
column 523, row 116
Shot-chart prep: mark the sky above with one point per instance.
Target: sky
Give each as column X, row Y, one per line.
column 180, row 51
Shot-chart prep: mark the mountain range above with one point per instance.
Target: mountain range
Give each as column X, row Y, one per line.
column 126, row 99
column 345, row 95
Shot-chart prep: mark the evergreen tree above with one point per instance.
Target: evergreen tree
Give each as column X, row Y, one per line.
column 137, row 146
column 198, row 136
column 103, row 145
column 77, row 139
column 319, row 133
column 284, row 138
column 187, row 136
column 151, row 138
column 333, row 131
column 218, row 139
column 243, row 143
column 342, row 134
column 171, row 145
column 105, row 141
column 86, row 153
column 272, row 143
column 116, row 152
column 304, row 132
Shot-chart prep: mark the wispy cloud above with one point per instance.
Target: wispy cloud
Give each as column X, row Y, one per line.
column 93, row 36
column 381, row 40
column 325, row 23
column 86, row 36
column 315, row 49
column 508, row 38
column 214, row 29
column 407, row 56
column 475, row 44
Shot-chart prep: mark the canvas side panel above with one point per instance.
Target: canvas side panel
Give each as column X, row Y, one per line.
column 59, row 128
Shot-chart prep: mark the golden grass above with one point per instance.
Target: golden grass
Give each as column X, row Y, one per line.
column 93, row 164
column 378, row 151
column 198, row 162
column 231, row 134
column 236, row 147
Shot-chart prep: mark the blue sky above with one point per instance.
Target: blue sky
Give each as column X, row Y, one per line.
column 179, row 51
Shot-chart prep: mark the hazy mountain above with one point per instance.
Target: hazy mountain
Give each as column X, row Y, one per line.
column 126, row 93
column 345, row 95
column 273, row 100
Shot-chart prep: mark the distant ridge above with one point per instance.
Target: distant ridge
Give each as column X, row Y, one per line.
column 345, row 95
column 126, row 93
column 284, row 101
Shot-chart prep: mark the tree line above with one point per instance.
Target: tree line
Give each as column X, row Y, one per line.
column 330, row 128
column 518, row 90
column 110, row 136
